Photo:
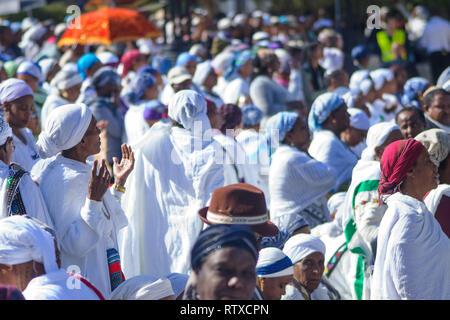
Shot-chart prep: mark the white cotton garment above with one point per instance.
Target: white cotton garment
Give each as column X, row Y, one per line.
column 25, row 154
column 433, row 199
column 329, row 149
column 53, row 101
column 413, row 254
column 135, row 124
column 234, row 89
column 143, row 287
column 83, row 229
column 295, row 181
column 58, row 285
column 32, row 199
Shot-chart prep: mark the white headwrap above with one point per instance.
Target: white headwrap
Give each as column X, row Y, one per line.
column 178, row 281
column 335, row 201
column 376, row 136
column 358, row 119
column 108, row 58
column 302, row 245
column 13, row 89
column 273, row 263
column 380, row 76
column 66, row 78
column 201, row 72
column 34, row 33
column 22, row 240
column 187, row 108
column 357, row 77
column 437, row 142
column 222, row 61
column 30, row 68
column 46, row 66
column 65, row 127
column 5, row 131
column 143, row 287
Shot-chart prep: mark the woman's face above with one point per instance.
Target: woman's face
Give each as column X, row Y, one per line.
column 392, row 137
column 31, row 81
column 71, row 94
column 341, row 117
column 246, row 70
column 410, row 124
column 211, row 80
column 92, row 138
column 18, row 112
column 425, row 173
column 299, row 136
column 274, row 288
column 227, row 274
column 309, row 271
column 190, row 66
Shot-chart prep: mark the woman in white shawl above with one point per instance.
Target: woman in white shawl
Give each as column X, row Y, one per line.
column 19, row 194
column 238, row 76
column 361, row 213
column 437, row 142
column 298, row 184
column 86, row 211
column 413, row 253
column 175, row 175
column 206, row 78
column 327, row 119
column 65, row 89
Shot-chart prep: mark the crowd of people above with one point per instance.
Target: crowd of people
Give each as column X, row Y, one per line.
column 257, row 165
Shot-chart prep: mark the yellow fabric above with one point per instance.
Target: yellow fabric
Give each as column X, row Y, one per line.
column 385, row 43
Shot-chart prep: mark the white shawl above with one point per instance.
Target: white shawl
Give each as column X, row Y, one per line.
column 413, row 255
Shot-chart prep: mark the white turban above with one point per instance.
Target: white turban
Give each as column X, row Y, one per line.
column 30, row 68
column 201, row 72
column 143, row 287
column 178, row 281
column 376, row 136
column 358, row 119
column 66, row 78
column 65, row 127
column 5, row 131
column 437, row 142
column 187, row 108
column 302, row 245
column 23, row 240
column 13, row 89
column 273, row 263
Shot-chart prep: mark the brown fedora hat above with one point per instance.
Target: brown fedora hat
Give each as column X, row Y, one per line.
column 239, row 203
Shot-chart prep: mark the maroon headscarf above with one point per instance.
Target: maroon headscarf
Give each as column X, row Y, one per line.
column 398, row 158
column 128, row 59
column 231, row 116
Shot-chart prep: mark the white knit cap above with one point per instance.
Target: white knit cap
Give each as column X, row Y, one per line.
column 302, row 245
column 273, row 263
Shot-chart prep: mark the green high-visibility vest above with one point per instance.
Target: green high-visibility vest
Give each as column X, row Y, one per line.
column 385, row 43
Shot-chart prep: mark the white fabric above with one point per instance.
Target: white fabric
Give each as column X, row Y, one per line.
column 436, row 35
column 64, row 129
column 58, row 285
column 433, row 199
column 271, row 255
column 376, row 136
column 82, row 228
column 31, row 69
column 5, row 131
column 295, row 181
column 13, row 89
column 143, row 287
column 107, row 57
column 333, row 59
column 22, row 240
column 302, row 245
column 234, row 89
column 178, row 281
column 413, row 253
column 358, row 119
column 329, row 149
column 31, row 197
column 53, row 101
column 174, row 176
column 188, row 108
column 437, row 142
column 46, row 65
column 66, row 78
column 357, row 77
column 25, row 154
column 201, row 72
column 135, row 124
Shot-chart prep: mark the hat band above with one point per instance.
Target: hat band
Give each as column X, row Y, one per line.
column 217, row 218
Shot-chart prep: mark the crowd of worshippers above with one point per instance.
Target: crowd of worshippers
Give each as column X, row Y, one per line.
column 252, row 167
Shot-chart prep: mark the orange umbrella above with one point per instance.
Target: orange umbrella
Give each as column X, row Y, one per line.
column 108, row 25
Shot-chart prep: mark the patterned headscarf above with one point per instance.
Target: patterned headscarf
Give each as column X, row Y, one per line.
column 411, row 90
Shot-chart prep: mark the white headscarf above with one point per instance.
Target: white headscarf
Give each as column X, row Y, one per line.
column 178, row 281
column 13, row 89
column 46, row 66
column 335, row 201
column 302, row 245
column 437, row 142
column 30, row 68
column 143, row 287
column 66, row 78
column 23, row 240
column 5, row 131
column 273, row 263
column 358, row 119
column 380, row 76
column 65, row 127
column 376, row 136
column 201, row 72
column 187, row 108
column 357, row 77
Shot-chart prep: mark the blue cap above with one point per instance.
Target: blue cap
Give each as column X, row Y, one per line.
column 359, row 52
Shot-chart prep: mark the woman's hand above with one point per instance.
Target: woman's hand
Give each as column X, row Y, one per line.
column 123, row 169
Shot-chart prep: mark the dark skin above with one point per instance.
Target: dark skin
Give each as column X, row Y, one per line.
column 299, row 137
column 410, row 124
column 273, row 288
column 19, row 275
column 392, row 137
column 185, row 85
column 18, row 114
column 439, row 109
column 338, row 120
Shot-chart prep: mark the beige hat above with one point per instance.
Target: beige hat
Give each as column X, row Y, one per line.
column 178, row 75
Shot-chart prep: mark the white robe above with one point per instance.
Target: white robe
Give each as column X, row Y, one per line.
column 135, row 124
column 234, row 89
column 413, row 255
column 31, row 197
column 167, row 187
column 58, row 286
column 83, row 231
column 25, row 155
column 296, row 181
column 328, row 148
